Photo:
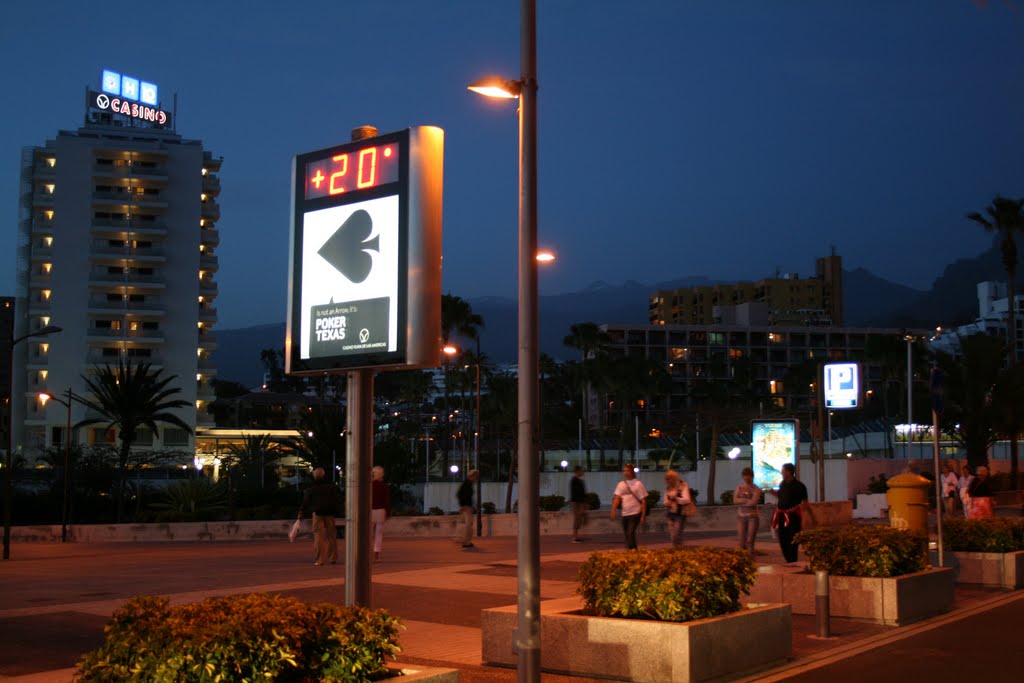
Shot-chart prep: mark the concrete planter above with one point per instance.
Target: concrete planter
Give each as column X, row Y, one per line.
column 891, row 601
column 1005, row 570
column 636, row 650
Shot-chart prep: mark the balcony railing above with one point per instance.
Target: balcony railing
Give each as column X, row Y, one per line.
column 127, row 279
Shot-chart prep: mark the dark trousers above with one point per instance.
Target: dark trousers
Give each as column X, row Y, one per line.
column 629, row 526
column 786, row 534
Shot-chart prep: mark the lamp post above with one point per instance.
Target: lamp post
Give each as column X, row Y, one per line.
column 9, row 461
column 451, row 350
column 67, row 461
column 527, row 638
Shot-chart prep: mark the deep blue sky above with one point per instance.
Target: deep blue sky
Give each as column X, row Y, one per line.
column 676, row 138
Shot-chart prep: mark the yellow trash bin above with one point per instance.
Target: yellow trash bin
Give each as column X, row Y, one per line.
column 908, row 502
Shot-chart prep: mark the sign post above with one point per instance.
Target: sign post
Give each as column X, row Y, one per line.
column 365, row 287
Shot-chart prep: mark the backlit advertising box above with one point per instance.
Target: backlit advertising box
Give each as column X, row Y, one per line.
column 842, row 385
column 366, row 255
column 773, row 444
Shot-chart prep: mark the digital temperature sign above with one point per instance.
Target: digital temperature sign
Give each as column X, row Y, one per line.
column 366, row 255
column 359, row 169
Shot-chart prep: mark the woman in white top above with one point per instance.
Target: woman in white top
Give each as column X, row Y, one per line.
column 964, row 485
column 746, row 497
column 950, row 488
column 677, row 502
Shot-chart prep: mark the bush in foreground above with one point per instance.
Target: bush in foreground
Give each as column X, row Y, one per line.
column 668, row 584
column 992, row 535
column 878, row 551
column 242, row 638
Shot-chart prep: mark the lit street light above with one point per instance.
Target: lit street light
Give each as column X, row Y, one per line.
column 44, row 397
column 451, row 350
column 527, row 638
column 9, row 460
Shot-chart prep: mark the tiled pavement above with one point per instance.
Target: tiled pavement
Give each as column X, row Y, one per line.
column 55, row 599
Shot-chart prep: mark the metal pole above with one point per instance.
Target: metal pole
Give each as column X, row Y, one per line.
column 819, row 396
column 67, row 475
column 910, row 399
column 579, row 442
column 357, row 487
column 938, row 484
column 821, row 603
column 476, row 457
column 527, row 638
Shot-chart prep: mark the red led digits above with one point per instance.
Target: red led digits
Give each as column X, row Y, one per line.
column 361, row 179
column 376, row 165
column 331, row 189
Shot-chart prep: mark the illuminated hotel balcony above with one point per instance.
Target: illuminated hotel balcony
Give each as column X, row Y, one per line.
column 208, row 262
column 127, row 280
column 150, row 173
column 101, row 307
column 209, row 236
column 39, row 280
column 208, row 315
column 42, row 198
column 143, row 254
column 208, row 287
column 127, row 199
column 211, row 185
column 97, row 357
column 40, row 253
column 141, row 336
column 210, row 209
column 118, row 228
column 206, row 364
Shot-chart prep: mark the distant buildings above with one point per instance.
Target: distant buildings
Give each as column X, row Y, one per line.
column 781, row 300
column 116, row 245
column 993, row 318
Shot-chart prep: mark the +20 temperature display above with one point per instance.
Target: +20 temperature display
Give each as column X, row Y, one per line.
column 356, row 169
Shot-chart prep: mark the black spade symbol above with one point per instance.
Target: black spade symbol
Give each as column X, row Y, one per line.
column 348, row 248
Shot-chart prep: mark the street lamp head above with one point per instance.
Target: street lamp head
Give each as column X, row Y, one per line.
column 545, row 256
column 450, row 350
column 49, row 329
column 496, row 86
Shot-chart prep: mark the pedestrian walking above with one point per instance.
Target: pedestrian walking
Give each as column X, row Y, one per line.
column 790, row 507
column 950, row 488
column 678, row 504
column 380, row 508
column 578, row 498
column 631, row 495
column 964, row 486
column 980, row 495
column 322, row 499
column 466, row 509
column 747, row 498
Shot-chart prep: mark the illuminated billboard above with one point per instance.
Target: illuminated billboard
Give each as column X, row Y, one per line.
column 842, row 385
column 366, row 254
column 773, row 444
column 129, row 96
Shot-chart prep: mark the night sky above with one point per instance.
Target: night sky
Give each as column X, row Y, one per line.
column 726, row 139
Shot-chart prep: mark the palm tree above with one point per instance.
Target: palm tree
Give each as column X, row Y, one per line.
column 457, row 319
column 1006, row 218
column 250, row 456
column 129, row 397
column 969, row 388
column 590, row 340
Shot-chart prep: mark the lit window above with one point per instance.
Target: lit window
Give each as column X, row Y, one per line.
column 43, row 374
column 47, row 268
column 202, row 197
column 50, row 187
column 205, row 171
column 44, row 321
column 48, row 241
column 44, row 348
column 48, row 214
column 202, row 222
column 46, row 294
column 133, row 325
column 199, row 377
column 51, row 161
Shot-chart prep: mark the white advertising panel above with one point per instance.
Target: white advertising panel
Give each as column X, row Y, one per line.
column 842, row 385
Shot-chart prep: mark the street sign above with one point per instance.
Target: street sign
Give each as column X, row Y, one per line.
column 842, row 385
column 365, row 265
column 774, row 443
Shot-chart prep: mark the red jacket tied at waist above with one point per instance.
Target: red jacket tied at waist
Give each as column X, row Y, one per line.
column 784, row 516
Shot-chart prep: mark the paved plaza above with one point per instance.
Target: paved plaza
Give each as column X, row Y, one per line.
column 55, row 599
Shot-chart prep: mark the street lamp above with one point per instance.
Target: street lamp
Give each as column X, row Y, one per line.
column 67, row 460
column 451, row 350
column 9, row 461
column 910, row 394
column 527, row 639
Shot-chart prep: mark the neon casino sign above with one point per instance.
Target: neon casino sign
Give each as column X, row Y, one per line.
column 129, row 96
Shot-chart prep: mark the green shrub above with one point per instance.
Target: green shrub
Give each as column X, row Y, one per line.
column 552, row 503
column 238, row 638
column 488, row 508
column 667, row 584
column 878, row 484
column 593, row 500
column 652, row 499
column 993, row 535
column 435, row 511
column 864, row 550
column 726, row 497
column 193, row 500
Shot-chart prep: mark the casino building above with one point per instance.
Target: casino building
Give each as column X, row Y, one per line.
column 117, row 240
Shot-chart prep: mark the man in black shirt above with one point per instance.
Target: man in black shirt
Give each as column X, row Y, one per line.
column 323, row 499
column 792, row 505
column 578, row 498
column 466, row 510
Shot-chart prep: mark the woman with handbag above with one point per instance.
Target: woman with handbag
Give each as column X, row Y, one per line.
column 747, row 497
column 679, row 504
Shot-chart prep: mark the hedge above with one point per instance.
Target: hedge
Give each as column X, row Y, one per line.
column 875, row 550
column 992, row 535
column 667, row 584
column 242, row 638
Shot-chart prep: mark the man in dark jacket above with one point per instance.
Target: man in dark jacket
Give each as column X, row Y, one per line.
column 465, row 496
column 578, row 498
column 789, row 512
column 322, row 499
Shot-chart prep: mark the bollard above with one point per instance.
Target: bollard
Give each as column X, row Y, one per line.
column 821, row 603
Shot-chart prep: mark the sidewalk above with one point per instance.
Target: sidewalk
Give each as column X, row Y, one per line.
column 55, row 599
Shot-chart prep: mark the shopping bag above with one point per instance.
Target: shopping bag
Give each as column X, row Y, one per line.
column 294, row 533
